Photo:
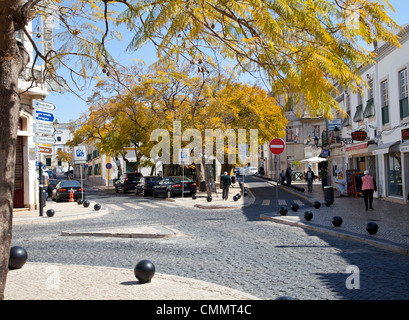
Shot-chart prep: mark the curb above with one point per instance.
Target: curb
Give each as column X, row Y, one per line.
column 343, row 235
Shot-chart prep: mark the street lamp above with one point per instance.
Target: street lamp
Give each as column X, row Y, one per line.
column 336, row 134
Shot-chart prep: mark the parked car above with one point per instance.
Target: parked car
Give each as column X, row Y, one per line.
column 52, row 175
column 145, row 185
column 51, row 185
column 127, row 182
column 63, row 188
column 247, row 171
column 172, row 187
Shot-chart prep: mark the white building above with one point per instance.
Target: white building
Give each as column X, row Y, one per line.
column 26, row 184
column 381, row 117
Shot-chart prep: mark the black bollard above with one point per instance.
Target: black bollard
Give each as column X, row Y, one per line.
column 18, row 257
column 209, row 198
column 317, row 204
column 97, row 206
column 194, row 196
column 50, row 213
column 372, row 227
column 144, row 271
column 86, row 204
column 295, row 207
column 235, row 198
column 308, row 215
column 337, row 221
column 80, row 201
column 283, row 211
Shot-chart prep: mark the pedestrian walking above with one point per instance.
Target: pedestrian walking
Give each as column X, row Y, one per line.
column 282, row 177
column 310, row 176
column 288, row 175
column 226, row 182
column 368, row 189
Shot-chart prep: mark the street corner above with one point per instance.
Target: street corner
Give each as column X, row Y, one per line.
column 60, row 211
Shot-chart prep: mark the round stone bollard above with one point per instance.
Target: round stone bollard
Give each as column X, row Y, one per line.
column 194, row 196
column 97, row 206
column 86, row 204
column 337, row 221
column 80, row 201
column 235, row 198
column 283, row 211
column 372, row 228
column 302, row 189
column 238, row 196
column 317, row 204
column 295, row 207
column 328, row 204
column 209, row 198
column 50, row 212
column 308, row 215
column 18, row 257
column 144, row 271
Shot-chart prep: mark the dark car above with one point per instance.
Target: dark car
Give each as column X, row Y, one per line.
column 63, row 188
column 51, row 185
column 52, row 175
column 146, row 184
column 127, row 182
column 173, row 186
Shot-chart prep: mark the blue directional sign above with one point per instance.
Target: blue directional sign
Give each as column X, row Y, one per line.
column 43, row 116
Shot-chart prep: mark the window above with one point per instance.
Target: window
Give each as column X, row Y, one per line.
column 385, row 101
column 403, row 92
column 316, row 131
column 290, row 134
column 358, row 113
column 347, row 120
column 58, row 138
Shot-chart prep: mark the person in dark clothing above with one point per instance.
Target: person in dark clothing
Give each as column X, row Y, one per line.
column 226, row 182
column 310, row 176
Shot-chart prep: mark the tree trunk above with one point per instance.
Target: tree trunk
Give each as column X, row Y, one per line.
column 13, row 59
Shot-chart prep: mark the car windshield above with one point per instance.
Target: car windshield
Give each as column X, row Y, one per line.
column 181, row 179
column 134, row 176
column 70, row 183
column 153, row 179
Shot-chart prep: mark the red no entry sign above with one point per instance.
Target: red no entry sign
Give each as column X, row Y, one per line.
column 277, row 146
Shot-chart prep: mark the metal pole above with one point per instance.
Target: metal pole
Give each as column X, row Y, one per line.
column 82, row 186
column 277, row 182
column 183, row 181
column 41, row 186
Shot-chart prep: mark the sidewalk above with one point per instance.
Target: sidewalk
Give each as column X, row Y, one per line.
column 391, row 218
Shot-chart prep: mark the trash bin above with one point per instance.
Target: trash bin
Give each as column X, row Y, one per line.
column 329, row 194
column 233, row 179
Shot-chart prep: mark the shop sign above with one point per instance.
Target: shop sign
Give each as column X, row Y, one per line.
column 405, row 135
column 359, row 135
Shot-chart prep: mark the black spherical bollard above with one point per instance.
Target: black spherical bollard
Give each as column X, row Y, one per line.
column 144, row 271
column 283, row 211
column 317, row 204
column 50, row 213
column 302, row 189
column 238, row 196
column 97, row 206
column 235, row 198
column 209, row 198
column 194, row 196
column 372, row 227
column 337, row 221
column 295, row 207
column 328, row 204
column 80, row 201
column 308, row 215
column 245, row 193
column 86, row 204
column 18, row 257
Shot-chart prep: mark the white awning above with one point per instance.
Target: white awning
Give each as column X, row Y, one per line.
column 404, row 147
column 384, row 148
column 314, row 160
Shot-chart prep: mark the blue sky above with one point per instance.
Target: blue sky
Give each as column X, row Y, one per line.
column 70, row 107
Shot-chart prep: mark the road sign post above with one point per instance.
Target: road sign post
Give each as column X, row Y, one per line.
column 277, row 147
column 184, row 158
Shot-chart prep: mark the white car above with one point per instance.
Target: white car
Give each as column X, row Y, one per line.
column 248, row 171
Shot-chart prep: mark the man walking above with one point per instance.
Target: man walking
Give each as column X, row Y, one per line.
column 226, row 182
column 310, row 176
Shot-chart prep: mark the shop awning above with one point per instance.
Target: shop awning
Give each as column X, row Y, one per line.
column 385, row 148
column 404, row 147
column 314, row 160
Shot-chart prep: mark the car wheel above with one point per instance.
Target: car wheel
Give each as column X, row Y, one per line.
column 143, row 193
column 123, row 190
column 169, row 194
column 57, row 199
column 154, row 194
column 116, row 190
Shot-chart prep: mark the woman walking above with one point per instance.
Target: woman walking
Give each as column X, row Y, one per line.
column 368, row 188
